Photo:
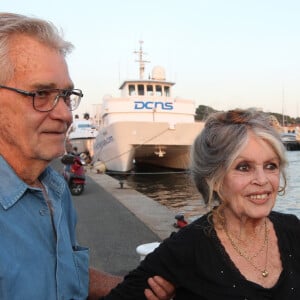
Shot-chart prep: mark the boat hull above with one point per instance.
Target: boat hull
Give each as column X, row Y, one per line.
column 121, row 144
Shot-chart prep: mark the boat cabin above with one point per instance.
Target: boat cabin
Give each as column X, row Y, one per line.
column 157, row 86
column 134, row 88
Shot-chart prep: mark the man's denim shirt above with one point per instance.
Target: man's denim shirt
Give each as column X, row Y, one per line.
column 36, row 260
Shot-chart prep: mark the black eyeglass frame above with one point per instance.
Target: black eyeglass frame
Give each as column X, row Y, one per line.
column 62, row 93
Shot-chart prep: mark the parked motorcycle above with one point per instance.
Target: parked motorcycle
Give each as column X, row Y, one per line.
column 74, row 173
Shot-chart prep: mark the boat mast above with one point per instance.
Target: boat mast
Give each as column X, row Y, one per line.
column 282, row 106
column 141, row 60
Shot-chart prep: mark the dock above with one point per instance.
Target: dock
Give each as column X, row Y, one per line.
column 113, row 221
column 118, row 220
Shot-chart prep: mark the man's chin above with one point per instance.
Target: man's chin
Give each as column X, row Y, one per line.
column 49, row 156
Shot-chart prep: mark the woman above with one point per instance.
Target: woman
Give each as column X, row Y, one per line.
column 241, row 249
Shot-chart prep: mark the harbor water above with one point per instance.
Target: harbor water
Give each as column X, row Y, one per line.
column 177, row 191
column 290, row 202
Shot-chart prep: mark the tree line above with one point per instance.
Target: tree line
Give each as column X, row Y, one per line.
column 202, row 111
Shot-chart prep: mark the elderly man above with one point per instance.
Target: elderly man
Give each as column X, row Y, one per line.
column 39, row 256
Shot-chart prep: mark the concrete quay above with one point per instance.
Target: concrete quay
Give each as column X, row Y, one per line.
column 157, row 217
column 114, row 221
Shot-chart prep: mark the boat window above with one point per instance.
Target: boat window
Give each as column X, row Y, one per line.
column 150, row 90
column 141, row 89
column 131, row 90
column 167, row 91
column 158, row 90
column 84, row 126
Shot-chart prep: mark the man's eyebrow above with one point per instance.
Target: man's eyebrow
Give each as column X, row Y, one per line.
column 47, row 86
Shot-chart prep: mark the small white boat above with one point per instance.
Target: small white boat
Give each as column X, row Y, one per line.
column 146, row 125
column 291, row 140
column 82, row 135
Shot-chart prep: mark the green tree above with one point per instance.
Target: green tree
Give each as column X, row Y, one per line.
column 202, row 111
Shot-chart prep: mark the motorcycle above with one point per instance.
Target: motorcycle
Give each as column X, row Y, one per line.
column 74, row 173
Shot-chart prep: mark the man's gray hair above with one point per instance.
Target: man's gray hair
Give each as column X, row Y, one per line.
column 15, row 24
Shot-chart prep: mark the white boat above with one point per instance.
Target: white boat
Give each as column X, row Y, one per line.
column 146, row 125
column 291, row 140
column 82, row 135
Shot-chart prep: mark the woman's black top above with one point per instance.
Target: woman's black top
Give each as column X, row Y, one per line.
column 195, row 261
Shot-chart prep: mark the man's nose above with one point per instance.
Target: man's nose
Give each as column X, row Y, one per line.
column 62, row 111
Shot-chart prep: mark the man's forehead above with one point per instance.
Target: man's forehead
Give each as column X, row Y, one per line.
column 38, row 63
column 26, row 50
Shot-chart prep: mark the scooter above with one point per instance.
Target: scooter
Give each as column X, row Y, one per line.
column 74, row 173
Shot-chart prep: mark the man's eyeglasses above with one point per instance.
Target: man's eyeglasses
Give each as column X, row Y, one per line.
column 45, row 100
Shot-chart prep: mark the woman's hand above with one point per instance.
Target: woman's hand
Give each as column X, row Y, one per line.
column 161, row 289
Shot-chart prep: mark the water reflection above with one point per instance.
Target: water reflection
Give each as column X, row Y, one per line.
column 173, row 189
column 177, row 191
column 290, row 202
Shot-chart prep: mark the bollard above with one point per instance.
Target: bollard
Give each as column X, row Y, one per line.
column 145, row 249
column 121, row 181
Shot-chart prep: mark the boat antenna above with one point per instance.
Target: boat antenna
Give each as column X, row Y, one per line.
column 141, row 61
column 283, row 107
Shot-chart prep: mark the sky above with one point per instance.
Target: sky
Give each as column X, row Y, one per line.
column 220, row 53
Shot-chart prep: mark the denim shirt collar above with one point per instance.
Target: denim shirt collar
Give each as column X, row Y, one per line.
column 12, row 187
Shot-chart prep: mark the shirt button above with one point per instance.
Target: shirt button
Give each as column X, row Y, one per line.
column 42, row 212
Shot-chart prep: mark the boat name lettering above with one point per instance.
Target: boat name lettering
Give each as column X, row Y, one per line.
column 152, row 105
column 104, row 142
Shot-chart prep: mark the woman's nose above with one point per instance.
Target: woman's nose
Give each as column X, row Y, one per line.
column 259, row 176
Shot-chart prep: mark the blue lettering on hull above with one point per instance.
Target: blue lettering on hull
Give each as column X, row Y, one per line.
column 104, row 142
column 153, row 105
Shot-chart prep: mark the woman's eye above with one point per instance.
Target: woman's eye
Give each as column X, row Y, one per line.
column 272, row 166
column 243, row 167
